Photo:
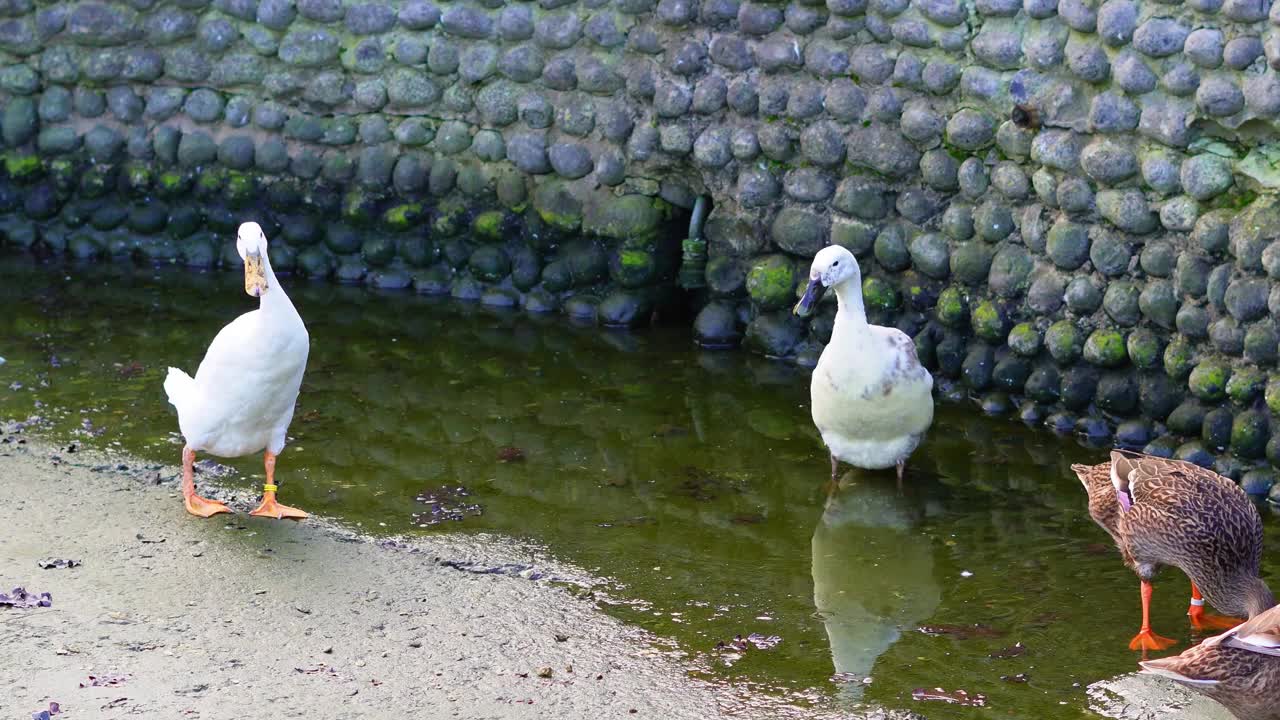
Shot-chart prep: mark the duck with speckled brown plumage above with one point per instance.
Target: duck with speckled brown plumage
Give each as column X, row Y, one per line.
column 1239, row 668
column 1170, row 512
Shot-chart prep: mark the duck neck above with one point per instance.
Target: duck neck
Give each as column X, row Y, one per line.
column 851, row 315
column 274, row 300
column 1258, row 598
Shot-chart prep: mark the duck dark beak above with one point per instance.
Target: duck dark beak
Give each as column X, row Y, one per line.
column 812, row 295
column 255, row 276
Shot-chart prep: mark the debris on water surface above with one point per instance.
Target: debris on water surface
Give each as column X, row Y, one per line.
column 955, row 697
column 760, row 642
column 446, row 503
column 130, row 370
column 704, row 485
column 1015, row 650
column 1019, row 678
column 510, row 454
column 747, row 519
column 58, row 563
column 311, row 416
column 666, row 431
column 848, row 678
column 961, row 632
column 20, row 598
column 637, row 521
column 104, row 681
column 150, row 540
column 544, row 671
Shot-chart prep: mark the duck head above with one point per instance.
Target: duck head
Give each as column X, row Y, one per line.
column 251, row 243
column 832, row 266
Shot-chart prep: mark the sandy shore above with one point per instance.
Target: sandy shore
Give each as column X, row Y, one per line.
column 227, row 618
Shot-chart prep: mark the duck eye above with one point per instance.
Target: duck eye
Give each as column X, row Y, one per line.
column 835, row 263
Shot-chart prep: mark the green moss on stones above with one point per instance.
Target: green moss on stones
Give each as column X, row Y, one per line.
column 880, row 294
column 211, row 181
column 403, row 217
column 1105, row 348
column 952, row 309
column 240, row 189
column 1144, row 348
column 633, row 268
column 23, row 167
column 172, row 183
column 488, row 226
column 771, row 283
column 988, row 321
column 1249, row 434
column 1208, row 381
column 1179, row 358
column 1025, row 340
column 1063, row 342
column 1246, row 384
column 490, row 263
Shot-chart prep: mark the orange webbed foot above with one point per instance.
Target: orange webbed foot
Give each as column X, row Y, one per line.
column 1147, row 640
column 272, row 509
column 200, row 507
column 1201, row 620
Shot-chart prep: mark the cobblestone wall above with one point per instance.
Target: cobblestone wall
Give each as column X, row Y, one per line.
column 1070, row 204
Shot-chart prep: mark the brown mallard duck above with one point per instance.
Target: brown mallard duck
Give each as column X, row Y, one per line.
column 1239, row 668
column 1170, row 512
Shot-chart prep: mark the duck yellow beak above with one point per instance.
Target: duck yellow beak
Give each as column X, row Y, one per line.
column 255, row 276
column 812, row 295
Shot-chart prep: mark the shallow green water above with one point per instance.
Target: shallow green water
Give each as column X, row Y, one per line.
column 692, row 479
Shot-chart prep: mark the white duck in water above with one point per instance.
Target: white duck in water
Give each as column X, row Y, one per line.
column 242, row 397
column 872, row 399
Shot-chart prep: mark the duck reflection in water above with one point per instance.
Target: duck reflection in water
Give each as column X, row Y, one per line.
column 872, row 574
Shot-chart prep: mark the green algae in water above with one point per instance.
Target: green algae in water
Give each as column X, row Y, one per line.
column 693, row 480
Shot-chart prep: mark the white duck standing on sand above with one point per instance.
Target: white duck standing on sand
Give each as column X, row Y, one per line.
column 242, row 397
column 872, row 399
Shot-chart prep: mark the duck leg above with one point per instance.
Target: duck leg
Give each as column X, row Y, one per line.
column 269, row 507
column 1201, row 620
column 831, row 485
column 195, row 504
column 1145, row 639
column 902, row 465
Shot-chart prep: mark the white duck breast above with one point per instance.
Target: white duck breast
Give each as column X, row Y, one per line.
column 872, row 399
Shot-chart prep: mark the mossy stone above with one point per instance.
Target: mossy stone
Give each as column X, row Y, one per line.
column 1249, row 434
column 404, row 217
column 1179, row 358
column 1259, row 482
column 360, row 208
column 1011, row 268
column 1194, row 452
column 1193, row 322
column 540, row 302
column 1133, row 434
column 1164, row 446
column 1064, row 342
column 625, row 308
column 490, row 263
column 952, row 309
column 771, row 282
column 1121, row 303
column 469, row 289
column 879, row 294
column 82, row 246
column 1208, row 381
column 418, row 251
column 1246, row 385
column 930, row 254
column 557, row 207
column 378, row 250
column 988, row 321
column 857, row 236
column 1067, row 245
column 108, row 217
column 148, row 219
column 315, row 262
column 1025, row 340
column 173, row 183
column 1144, row 347
column 23, row 168
column 633, row 268
column 457, row 252
column 1215, row 431
column 341, row 239
column 489, row 226
column 1110, row 253
column 1272, row 394
column 240, row 190
column 1105, row 348
column 950, row 354
column 587, row 262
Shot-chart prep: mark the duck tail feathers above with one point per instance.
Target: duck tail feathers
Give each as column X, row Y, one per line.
column 178, row 386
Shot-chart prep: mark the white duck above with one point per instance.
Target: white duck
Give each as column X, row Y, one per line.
column 872, row 399
column 242, row 397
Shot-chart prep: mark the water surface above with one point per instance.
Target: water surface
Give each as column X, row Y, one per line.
column 693, row 480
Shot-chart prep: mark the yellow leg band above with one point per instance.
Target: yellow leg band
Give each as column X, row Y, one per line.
column 269, row 488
